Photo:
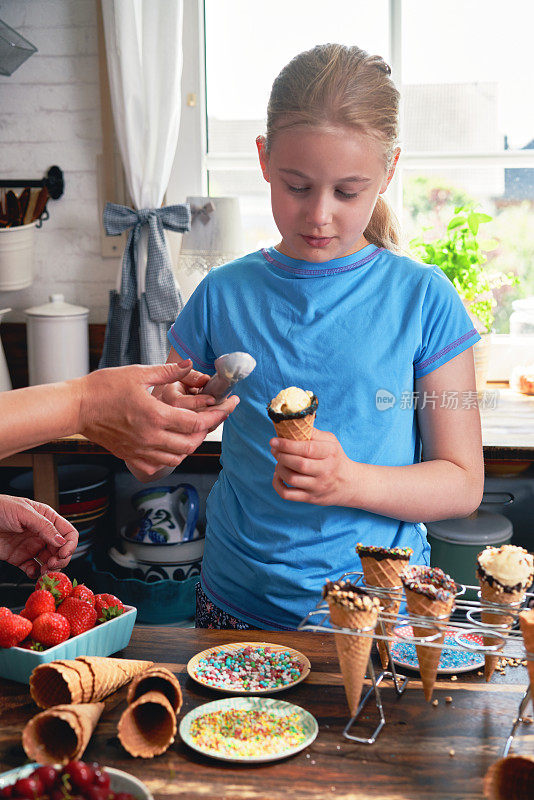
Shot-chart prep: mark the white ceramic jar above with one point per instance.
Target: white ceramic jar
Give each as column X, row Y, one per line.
column 58, row 341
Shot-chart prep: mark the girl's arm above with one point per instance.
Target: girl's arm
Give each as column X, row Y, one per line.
column 448, row 483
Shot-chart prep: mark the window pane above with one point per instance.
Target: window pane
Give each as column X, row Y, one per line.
column 247, row 44
column 467, row 74
column 430, row 199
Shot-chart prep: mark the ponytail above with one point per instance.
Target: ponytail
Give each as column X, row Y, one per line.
column 383, row 229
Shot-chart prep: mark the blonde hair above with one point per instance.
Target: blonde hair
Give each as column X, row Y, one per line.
column 340, row 85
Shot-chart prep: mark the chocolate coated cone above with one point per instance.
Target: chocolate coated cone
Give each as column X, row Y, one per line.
column 428, row 657
column 353, row 651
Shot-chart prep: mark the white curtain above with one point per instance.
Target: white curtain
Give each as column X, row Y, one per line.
column 144, row 58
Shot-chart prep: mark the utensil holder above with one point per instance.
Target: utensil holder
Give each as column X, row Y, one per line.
column 17, row 256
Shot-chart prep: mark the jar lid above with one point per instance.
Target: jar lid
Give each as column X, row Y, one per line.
column 484, row 529
column 57, row 307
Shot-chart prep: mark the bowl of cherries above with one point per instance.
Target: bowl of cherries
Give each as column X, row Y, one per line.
column 77, row 780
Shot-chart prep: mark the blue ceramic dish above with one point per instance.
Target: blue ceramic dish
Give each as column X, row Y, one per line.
column 16, row 663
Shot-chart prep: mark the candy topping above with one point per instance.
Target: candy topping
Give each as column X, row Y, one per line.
column 248, row 668
column 349, row 595
column 381, row 553
column 252, row 734
column 430, row 581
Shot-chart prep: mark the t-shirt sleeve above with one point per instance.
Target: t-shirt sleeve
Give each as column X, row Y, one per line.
column 446, row 328
column 189, row 335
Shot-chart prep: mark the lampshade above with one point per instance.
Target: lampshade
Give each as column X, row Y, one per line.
column 216, row 236
column 14, row 49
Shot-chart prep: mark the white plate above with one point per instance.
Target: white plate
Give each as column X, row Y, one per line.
column 119, row 781
column 296, row 655
column 310, row 728
column 404, row 654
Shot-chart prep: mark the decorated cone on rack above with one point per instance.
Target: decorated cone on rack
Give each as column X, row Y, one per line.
column 382, row 567
column 429, row 593
column 526, row 621
column 61, row 733
column 296, row 416
column 352, row 607
column 504, row 574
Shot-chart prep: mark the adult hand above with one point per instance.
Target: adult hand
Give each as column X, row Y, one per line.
column 31, row 530
column 118, row 412
column 316, row 471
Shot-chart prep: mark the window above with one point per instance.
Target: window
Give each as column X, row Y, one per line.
column 464, row 72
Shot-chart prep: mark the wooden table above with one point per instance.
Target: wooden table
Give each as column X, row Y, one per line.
column 409, row 760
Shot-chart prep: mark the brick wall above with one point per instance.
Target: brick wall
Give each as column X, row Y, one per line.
column 50, row 114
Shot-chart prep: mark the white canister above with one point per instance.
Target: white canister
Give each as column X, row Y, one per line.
column 17, row 246
column 58, row 341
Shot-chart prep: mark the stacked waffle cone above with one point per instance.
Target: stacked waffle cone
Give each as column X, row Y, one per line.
column 351, row 607
column 429, row 593
column 148, row 726
column 382, row 568
column 86, row 679
column 61, row 733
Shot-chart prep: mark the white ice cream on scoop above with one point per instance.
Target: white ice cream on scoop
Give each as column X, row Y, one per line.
column 510, row 565
column 291, row 400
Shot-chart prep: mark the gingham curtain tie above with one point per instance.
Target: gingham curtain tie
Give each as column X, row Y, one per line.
column 162, row 296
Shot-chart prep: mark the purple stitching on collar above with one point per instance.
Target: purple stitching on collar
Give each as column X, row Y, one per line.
column 238, row 610
column 445, row 350
column 317, row 273
column 191, row 355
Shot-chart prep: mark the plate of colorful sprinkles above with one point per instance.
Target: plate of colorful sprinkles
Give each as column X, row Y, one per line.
column 249, row 668
column 451, row 661
column 248, row 729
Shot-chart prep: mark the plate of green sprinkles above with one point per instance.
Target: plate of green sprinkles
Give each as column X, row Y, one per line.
column 249, row 668
column 248, row 729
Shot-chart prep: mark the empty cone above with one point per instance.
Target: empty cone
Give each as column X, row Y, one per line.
column 385, row 573
column 61, row 733
column 526, row 620
column 157, row 679
column 56, row 683
column 357, row 611
column 109, row 674
column 148, row 726
column 492, row 595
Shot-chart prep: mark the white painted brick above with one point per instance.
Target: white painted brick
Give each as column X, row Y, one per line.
column 49, row 70
column 37, row 99
column 59, row 126
column 64, row 41
column 75, row 155
column 28, row 14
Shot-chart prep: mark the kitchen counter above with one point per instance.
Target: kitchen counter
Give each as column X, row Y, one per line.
column 409, row 760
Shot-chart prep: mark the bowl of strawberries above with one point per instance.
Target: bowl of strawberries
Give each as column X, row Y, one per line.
column 61, row 619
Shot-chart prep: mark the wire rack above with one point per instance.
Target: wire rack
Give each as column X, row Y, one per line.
column 465, row 619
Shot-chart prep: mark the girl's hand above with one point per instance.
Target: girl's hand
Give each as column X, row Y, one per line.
column 317, row 471
column 30, row 530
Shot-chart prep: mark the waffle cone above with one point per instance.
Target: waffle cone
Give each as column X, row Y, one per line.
column 148, row 726
column 61, row 733
column 353, row 651
column 510, row 778
column 526, row 621
column 385, row 573
column 299, row 429
column 109, row 674
column 56, row 683
column 428, row 657
column 157, row 679
column 490, row 594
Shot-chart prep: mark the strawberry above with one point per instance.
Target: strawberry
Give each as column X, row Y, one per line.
column 13, row 628
column 29, row 644
column 107, row 607
column 81, row 615
column 50, row 628
column 57, row 583
column 82, row 592
column 38, row 602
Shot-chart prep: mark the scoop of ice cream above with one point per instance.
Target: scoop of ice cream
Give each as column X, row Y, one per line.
column 291, row 400
column 509, row 564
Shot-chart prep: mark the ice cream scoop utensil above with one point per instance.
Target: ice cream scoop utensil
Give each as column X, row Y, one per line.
column 231, row 368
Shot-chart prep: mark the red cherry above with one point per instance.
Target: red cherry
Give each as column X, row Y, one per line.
column 124, row 796
column 29, row 787
column 56, row 793
column 6, row 791
column 96, row 793
column 80, row 773
column 47, row 775
column 101, row 778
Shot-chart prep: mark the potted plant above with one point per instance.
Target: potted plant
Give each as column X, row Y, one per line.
column 462, row 257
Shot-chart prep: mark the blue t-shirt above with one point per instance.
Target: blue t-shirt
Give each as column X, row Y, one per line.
column 357, row 331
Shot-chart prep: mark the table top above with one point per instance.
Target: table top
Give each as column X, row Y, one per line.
column 409, row 760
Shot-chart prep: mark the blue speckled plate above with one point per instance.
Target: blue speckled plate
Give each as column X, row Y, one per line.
column 451, row 661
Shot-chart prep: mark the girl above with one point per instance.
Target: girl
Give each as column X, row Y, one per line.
column 333, row 308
